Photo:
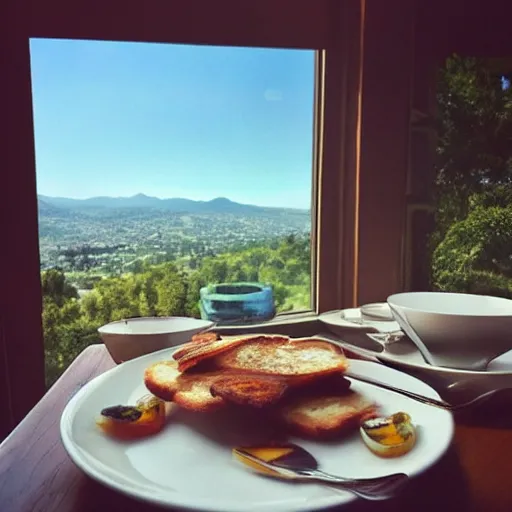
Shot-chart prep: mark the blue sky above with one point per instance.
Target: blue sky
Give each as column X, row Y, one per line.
column 173, row 121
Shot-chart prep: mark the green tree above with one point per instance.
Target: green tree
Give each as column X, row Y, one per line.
column 195, row 282
column 476, row 254
column 474, row 150
column 55, row 286
column 91, row 306
column 67, row 330
column 70, row 323
column 172, row 295
column 144, row 305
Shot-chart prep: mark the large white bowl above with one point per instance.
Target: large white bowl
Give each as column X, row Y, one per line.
column 455, row 330
column 134, row 337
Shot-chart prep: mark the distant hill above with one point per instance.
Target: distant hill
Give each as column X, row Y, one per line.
column 48, row 209
column 142, row 201
column 125, row 229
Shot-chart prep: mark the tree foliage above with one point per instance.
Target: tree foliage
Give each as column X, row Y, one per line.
column 55, row 287
column 70, row 323
column 476, row 253
column 472, row 244
column 474, row 152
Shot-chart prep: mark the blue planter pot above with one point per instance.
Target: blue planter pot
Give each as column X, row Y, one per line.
column 240, row 302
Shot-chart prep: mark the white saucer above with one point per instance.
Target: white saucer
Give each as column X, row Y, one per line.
column 404, row 355
column 368, row 318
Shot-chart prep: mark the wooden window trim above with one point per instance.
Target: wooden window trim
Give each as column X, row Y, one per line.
column 383, row 159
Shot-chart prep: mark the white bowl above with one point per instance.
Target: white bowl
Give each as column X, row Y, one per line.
column 455, row 330
column 134, row 337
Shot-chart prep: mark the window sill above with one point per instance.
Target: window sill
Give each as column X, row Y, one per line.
column 291, row 324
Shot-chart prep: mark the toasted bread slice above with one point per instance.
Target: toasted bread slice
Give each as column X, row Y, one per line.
column 204, row 351
column 250, row 390
column 212, row 349
column 327, row 415
column 325, row 385
column 197, row 339
column 191, row 391
column 161, row 379
column 201, row 338
column 205, row 337
column 194, row 392
column 304, row 358
column 257, row 390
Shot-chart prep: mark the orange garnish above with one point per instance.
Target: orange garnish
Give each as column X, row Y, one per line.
column 149, row 422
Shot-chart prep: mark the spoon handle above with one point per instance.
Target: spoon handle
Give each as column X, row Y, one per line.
column 380, row 488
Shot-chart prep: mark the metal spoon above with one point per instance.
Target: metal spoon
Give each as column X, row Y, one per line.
column 292, row 462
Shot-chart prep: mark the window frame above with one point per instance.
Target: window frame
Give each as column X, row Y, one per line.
column 335, row 29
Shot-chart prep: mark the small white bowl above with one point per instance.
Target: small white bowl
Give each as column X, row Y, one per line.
column 455, row 330
column 134, row 337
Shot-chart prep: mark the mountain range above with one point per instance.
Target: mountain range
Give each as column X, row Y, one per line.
column 54, row 205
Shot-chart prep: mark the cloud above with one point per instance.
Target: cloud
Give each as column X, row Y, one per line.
column 273, row 95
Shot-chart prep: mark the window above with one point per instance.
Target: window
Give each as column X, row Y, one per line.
column 470, row 249
column 460, row 161
column 364, row 55
column 172, row 180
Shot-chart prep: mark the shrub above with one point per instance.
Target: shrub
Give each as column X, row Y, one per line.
column 476, row 254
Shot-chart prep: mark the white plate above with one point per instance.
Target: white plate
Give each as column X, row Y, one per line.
column 378, row 318
column 377, row 311
column 189, row 464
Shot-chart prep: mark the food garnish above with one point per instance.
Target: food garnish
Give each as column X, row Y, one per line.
column 122, row 413
column 126, row 422
column 392, row 436
column 264, row 453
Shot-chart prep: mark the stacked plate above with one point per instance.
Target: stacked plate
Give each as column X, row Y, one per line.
column 452, row 341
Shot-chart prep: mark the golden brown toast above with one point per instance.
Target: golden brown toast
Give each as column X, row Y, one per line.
column 193, row 344
column 204, row 391
column 205, row 337
column 299, row 358
column 188, row 357
column 190, row 390
column 194, row 392
column 192, row 354
column 250, row 390
column 260, row 371
column 327, row 415
column 161, row 379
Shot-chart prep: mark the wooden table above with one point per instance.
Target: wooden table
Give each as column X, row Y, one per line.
column 36, row 473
